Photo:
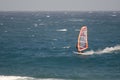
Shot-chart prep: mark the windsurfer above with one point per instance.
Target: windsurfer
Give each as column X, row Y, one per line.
column 78, row 50
column 82, row 42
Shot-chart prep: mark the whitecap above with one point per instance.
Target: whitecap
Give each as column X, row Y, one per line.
column 61, row 30
column 2, row 77
column 11, row 18
column 114, row 15
column 48, row 16
column 33, row 35
column 66, row 47
column 55, row 39
column 15, row 78
column 35, row 24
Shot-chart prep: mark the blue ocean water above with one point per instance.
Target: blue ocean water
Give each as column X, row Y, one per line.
column 41, row 45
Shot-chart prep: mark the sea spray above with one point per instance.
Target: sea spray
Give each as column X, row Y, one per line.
column 103, row 51
column 108, row 50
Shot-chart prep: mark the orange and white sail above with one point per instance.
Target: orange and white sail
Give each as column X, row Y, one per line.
column 82, row 39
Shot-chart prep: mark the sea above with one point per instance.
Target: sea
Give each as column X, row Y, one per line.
column 40, row 45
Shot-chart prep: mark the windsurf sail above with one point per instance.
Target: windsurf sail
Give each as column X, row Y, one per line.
column 82, row 39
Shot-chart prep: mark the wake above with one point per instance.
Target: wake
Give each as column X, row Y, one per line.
column 104, row 51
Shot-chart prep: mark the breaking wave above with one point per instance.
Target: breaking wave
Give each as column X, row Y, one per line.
column 104, row 51
column 25, row 78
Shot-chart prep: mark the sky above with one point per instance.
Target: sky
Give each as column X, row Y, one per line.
column 59, row 5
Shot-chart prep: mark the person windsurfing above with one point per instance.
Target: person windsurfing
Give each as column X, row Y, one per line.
column 78, row 50
column 82, row 43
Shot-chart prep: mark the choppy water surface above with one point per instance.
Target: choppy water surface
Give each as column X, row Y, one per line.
column 41, row 46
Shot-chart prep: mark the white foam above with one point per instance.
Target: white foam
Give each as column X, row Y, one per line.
column 47, row 16
column 61, row 30
column 108, row 50
column 91, row 52
column 33, row 35
column 114, row 15
column 66, row 47
column 11, row 18
column 2, row 77
column 39, row 20
column 35, row 25
column 104, row 51
column 55, row 39
column 14, row 78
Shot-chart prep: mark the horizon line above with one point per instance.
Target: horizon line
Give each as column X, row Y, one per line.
column 59, row 10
